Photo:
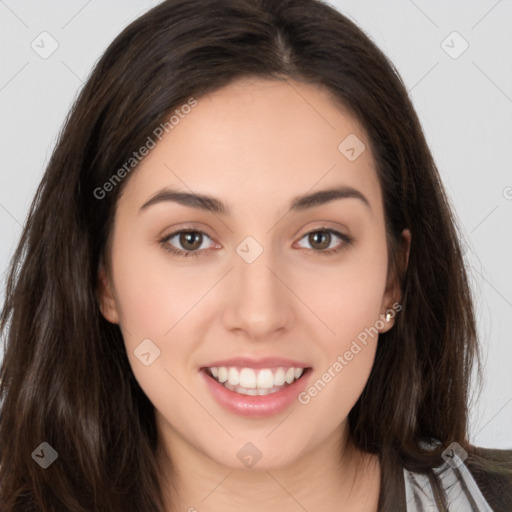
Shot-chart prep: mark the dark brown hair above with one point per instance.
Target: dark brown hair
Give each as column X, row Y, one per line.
column 65, row 376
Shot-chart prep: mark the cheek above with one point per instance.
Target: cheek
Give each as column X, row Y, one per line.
column 349, row 301
column 153, row 293
column 153, row 303
column 156, row 300
column 348, row 296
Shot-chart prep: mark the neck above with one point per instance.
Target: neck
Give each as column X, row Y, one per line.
column 333, row 476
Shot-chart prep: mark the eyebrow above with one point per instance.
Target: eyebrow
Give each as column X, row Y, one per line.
column 214, row 205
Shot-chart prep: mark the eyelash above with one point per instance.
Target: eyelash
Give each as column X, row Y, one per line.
column 347, row 241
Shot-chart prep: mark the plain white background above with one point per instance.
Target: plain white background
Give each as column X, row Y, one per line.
column 463, row 98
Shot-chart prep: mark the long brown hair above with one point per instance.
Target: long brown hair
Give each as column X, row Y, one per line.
column 65, row 376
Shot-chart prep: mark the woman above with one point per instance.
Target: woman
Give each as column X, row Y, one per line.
column 266, row 371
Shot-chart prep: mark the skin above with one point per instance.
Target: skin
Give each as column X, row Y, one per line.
column 254, row 144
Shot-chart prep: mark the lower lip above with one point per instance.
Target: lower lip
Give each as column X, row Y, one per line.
column 258, row 406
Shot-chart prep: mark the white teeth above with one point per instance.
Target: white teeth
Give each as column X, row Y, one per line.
column 255, row 382
column 252, row 392
column 233, row 377
column 279, row 377
column 247, row 378
column 223, row 373
column 290, row 375
column 265, row 379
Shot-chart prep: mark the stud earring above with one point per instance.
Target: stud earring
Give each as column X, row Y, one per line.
column 388, row 317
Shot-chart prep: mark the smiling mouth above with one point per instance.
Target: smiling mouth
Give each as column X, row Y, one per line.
column 255, row 382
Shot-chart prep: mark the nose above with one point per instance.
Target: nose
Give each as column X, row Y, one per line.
column 260, row 302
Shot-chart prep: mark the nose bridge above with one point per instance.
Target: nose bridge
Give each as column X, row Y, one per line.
column 260, row 300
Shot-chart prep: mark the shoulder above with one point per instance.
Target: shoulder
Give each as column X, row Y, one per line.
column 492, row 471
column 472, row 479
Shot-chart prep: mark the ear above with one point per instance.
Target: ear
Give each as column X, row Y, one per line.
column 105, row 296
column 393, row 293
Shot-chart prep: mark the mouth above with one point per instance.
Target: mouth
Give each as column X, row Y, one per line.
column 255, row 392
column 255, row 382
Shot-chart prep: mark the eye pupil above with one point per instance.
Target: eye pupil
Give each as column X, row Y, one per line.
column 319, row 234
column 187, row 236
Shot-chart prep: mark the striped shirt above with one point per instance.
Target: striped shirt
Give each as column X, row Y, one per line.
column 462, row 491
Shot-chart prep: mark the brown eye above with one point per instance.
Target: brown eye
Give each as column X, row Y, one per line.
column 320, row 239
column 190, row 240
column 187, row 242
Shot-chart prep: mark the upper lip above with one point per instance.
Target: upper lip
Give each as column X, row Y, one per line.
column 265, row 362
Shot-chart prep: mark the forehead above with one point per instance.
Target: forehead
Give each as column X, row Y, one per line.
column 260, row 140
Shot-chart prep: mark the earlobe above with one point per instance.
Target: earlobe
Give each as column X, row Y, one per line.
column 105, row 297
column 387, row 320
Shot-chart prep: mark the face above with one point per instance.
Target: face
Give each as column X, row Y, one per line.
column 262, row 286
